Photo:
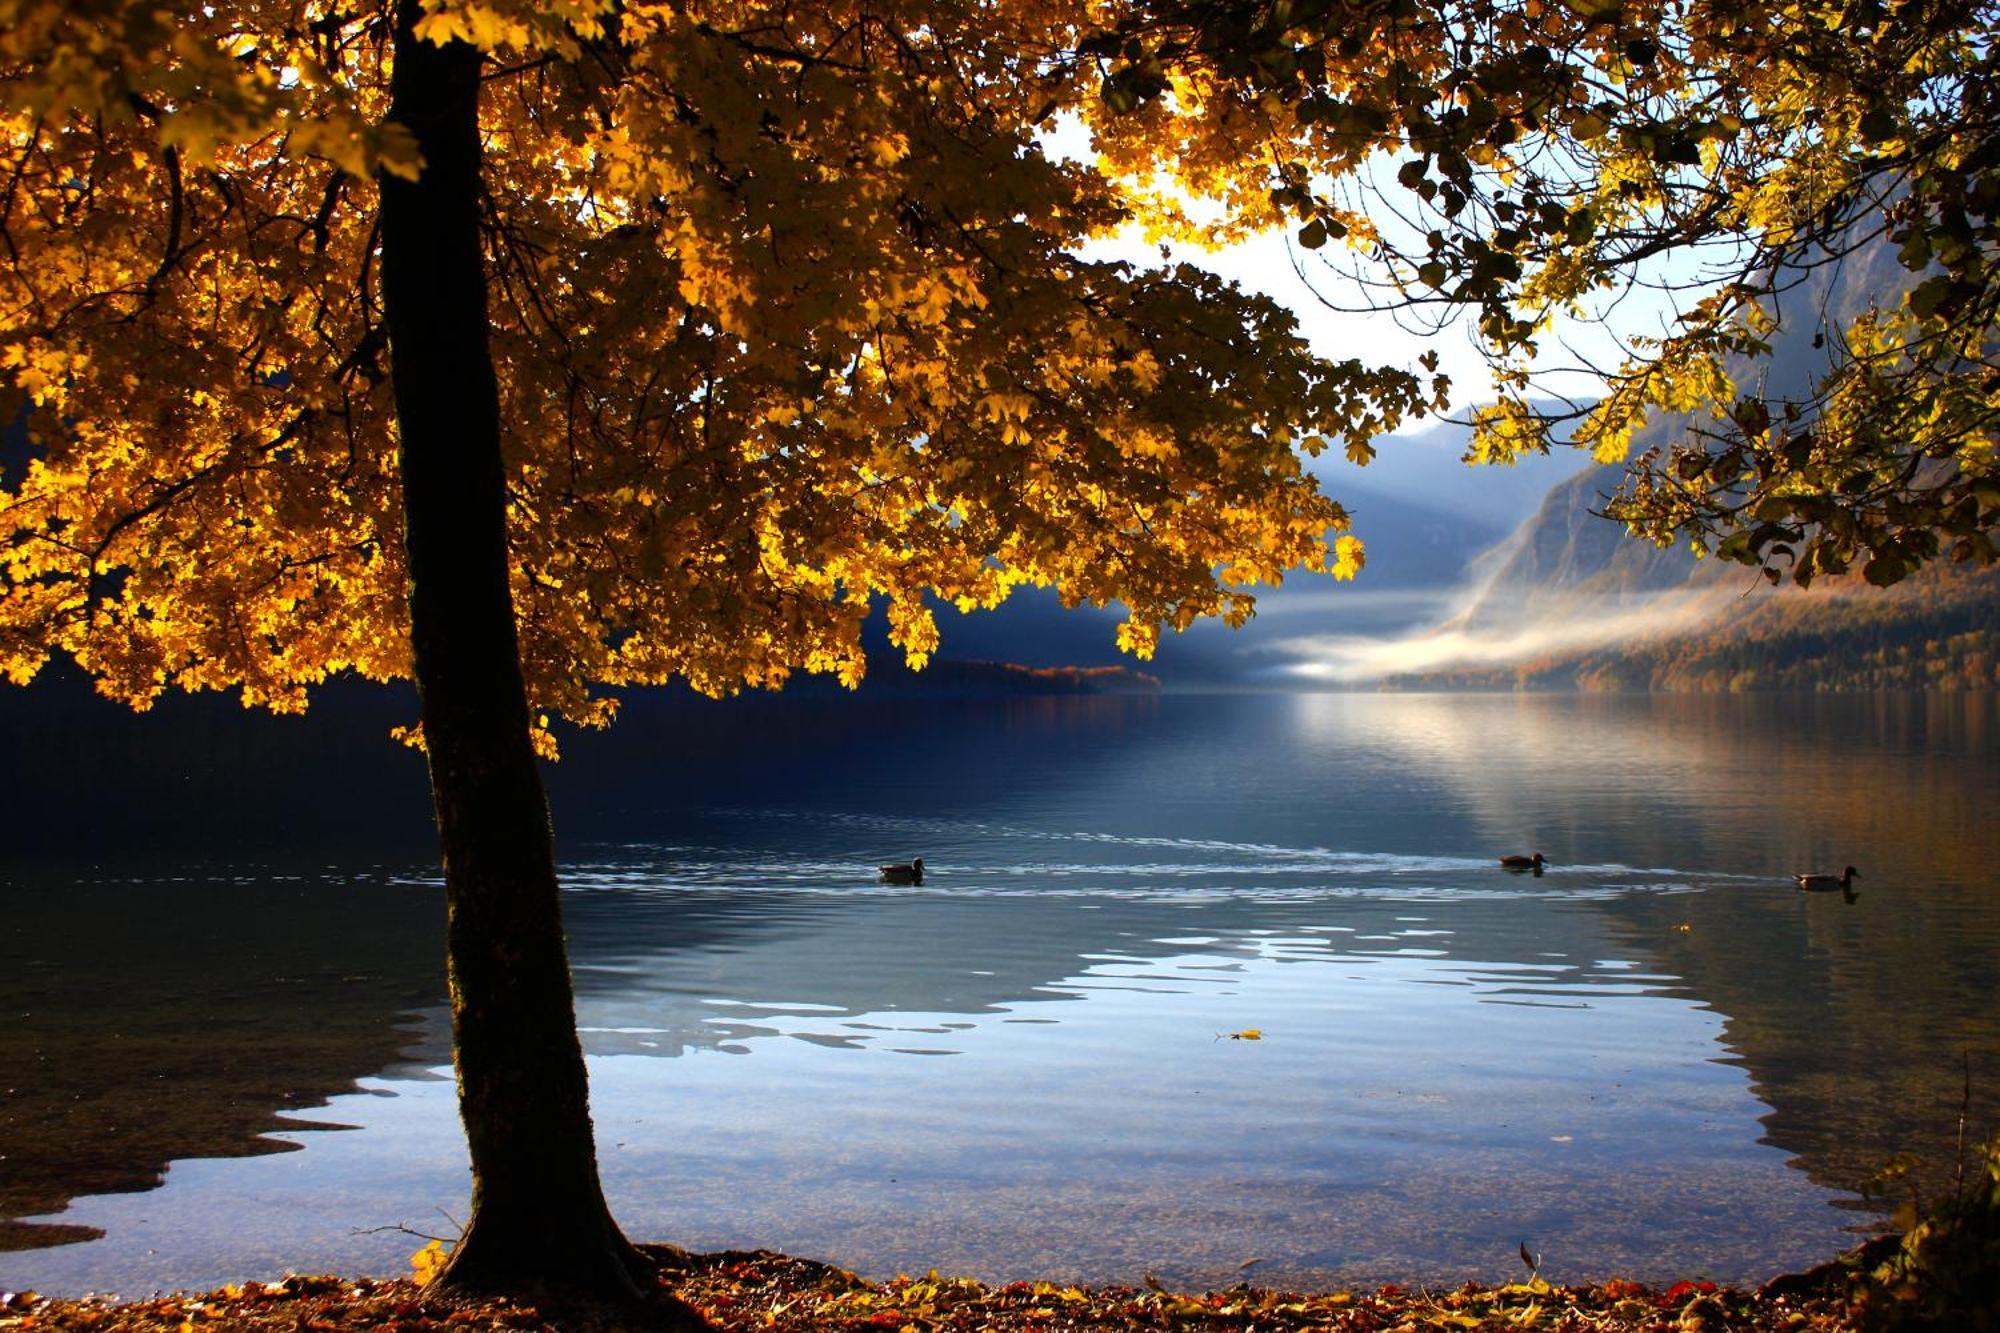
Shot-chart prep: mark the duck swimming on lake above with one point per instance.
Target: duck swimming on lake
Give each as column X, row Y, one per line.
column 903, row 872
column 1533, row 863
column 1829, row 883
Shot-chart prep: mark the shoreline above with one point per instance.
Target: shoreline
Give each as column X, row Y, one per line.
column 763, row 1290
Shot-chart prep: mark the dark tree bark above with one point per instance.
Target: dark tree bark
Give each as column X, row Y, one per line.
column 538, row 1213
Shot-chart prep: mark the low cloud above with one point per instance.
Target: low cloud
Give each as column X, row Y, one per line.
column 1580, row 624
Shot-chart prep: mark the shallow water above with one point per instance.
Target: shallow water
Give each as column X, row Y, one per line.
column 1657, row 1059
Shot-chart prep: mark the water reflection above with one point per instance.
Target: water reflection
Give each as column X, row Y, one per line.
column 1430, row 1089
column 1760, row 784
column 1016, row 1069
column 142, row 1022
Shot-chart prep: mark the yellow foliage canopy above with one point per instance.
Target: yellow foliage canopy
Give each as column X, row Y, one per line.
column 787, row 316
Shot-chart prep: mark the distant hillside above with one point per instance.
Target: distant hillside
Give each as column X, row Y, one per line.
column 1412, row 543
column 1569, row 601
column 1417, row 559
column 1565, row 559
column 1422, row 469
column 964, row 679
column 1939, row 629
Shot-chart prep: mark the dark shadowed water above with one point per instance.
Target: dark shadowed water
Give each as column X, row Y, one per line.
column 222, row 1048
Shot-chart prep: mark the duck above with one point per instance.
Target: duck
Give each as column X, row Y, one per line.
column 1533, row 863
column 1828, row 883
column 903, row 872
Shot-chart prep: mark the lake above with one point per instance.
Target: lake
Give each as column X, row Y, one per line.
column 223, row 1048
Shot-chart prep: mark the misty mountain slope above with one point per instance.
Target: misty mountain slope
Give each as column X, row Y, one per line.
column 1566, row 559
column 1411, row 544
column 1423, row 469
column 1568, row 600
column 1424, row 516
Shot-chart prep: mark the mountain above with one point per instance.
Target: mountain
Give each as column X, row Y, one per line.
column 1567, row 576
column 1472, row 567
column 1424, row 470
column 1938, row 629
column 1569, row 601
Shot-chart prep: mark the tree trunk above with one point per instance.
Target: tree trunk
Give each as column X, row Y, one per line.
column 538, row 1213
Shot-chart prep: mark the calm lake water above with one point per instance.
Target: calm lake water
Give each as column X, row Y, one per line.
column 223, row 1050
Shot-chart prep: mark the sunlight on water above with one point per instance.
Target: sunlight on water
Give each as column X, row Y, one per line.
column 1655, row 1059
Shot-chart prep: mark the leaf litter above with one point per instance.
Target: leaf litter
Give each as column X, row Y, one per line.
column 775, row 1293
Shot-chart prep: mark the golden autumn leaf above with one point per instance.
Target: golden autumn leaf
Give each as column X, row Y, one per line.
column 427, row 1261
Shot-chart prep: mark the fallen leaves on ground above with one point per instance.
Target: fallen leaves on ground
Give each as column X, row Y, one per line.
column 778, row 1294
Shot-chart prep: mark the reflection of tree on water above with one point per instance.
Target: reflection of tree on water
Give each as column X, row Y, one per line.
column 1854, row 1022
column 1724, row 784
column 149, row 1022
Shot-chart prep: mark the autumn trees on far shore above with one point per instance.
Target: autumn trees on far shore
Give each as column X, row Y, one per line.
column 537, row 348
